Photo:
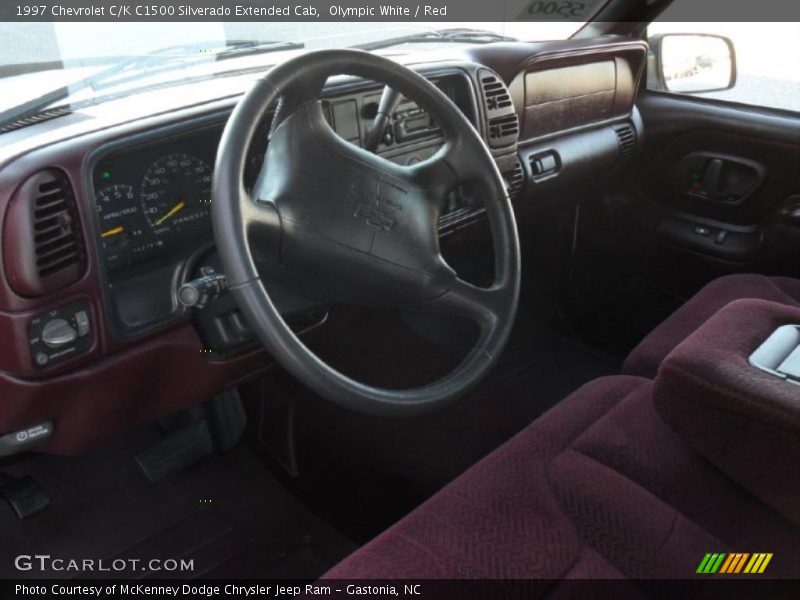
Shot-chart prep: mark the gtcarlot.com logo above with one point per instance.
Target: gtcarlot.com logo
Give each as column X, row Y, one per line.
column 46, row 562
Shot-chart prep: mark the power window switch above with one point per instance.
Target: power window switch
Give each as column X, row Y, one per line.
column 82, row 321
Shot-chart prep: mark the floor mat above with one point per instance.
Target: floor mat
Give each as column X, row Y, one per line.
column 362, row 473
column 545, row 361
column 227, row 515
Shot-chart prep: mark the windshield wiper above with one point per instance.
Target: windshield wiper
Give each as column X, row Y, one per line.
column 139, row 67
column 438, row 36
column 178, row 57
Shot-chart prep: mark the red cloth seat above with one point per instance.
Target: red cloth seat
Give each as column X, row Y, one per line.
column 645, row 359
column 599, row 487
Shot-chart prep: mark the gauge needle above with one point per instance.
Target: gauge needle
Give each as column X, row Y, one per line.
column 172, row 212
column 112, row 232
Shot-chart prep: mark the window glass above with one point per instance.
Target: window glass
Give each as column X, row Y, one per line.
column 768, row 67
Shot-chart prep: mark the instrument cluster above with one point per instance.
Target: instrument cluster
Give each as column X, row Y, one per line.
column 153, row 199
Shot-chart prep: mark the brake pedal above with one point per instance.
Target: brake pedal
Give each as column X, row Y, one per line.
column 26, row 497
column 179, row 450
column 227, row 419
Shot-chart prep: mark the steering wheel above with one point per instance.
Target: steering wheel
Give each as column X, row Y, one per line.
column 357, row 228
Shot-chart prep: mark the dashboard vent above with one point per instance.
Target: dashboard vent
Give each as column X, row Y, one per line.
column 504, row 127
column 626, row 136
column 515, row 180
column 57, row 240
column 43, row 246
column 495, row 93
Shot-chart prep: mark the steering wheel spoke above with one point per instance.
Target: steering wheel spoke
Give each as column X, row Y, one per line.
column 435, row 176
column 484, row 306
column 260, row 214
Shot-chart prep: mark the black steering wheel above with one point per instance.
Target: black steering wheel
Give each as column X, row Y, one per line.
column 358, row 228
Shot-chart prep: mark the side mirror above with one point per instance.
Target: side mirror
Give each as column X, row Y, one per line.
column 688, row 63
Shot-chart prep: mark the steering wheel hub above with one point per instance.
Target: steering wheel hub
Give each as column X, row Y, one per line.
column 358, row 230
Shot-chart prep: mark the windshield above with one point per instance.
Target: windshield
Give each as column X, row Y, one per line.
column 88, row 61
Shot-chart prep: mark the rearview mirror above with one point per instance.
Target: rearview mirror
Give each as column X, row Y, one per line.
column 691, row 63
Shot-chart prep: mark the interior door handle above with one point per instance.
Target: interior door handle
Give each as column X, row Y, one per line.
column 711, row 179
column 791, row 210
column 715, row 177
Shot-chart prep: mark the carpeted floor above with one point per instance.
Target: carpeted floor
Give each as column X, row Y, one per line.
column 235, row 517
column 362, row 473
column 227, row 513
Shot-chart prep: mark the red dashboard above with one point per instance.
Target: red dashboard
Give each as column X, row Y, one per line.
column 96, row 235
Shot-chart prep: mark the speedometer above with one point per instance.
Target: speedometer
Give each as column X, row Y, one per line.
column 175, row 194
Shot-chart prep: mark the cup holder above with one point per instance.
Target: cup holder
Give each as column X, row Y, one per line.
column 780, row 354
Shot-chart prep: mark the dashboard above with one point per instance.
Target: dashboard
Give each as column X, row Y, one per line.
column 152, row 194
column 152, row 197
column 105, row 213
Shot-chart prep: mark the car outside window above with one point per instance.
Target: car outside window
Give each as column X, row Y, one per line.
column 768, row 68
column 37, row 57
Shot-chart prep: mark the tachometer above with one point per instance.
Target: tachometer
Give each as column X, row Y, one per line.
column 176, row 192
column 118, row 214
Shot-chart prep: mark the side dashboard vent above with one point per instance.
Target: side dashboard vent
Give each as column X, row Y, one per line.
column 42, row 241
column 495, row 94
column 626, row 136
column 515, row 180
column 57, row 239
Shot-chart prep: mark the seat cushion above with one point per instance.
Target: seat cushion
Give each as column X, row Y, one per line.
column 599, row 487
column 645, row 359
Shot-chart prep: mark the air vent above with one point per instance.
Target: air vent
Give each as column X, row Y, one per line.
column 54, row 232
column 42, row 240
column 495, row 94
column 515, row 180
column 504, row 127
column 626, row 135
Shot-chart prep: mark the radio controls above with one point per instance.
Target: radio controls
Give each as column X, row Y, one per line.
column 58, row 333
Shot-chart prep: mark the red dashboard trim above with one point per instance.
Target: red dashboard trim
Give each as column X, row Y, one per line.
column 93, row 405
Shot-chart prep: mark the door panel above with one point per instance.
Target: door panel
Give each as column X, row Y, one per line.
column 683, row 133
column 716, row 190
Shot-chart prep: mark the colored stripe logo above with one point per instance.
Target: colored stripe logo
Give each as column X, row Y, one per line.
column 734, row 563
